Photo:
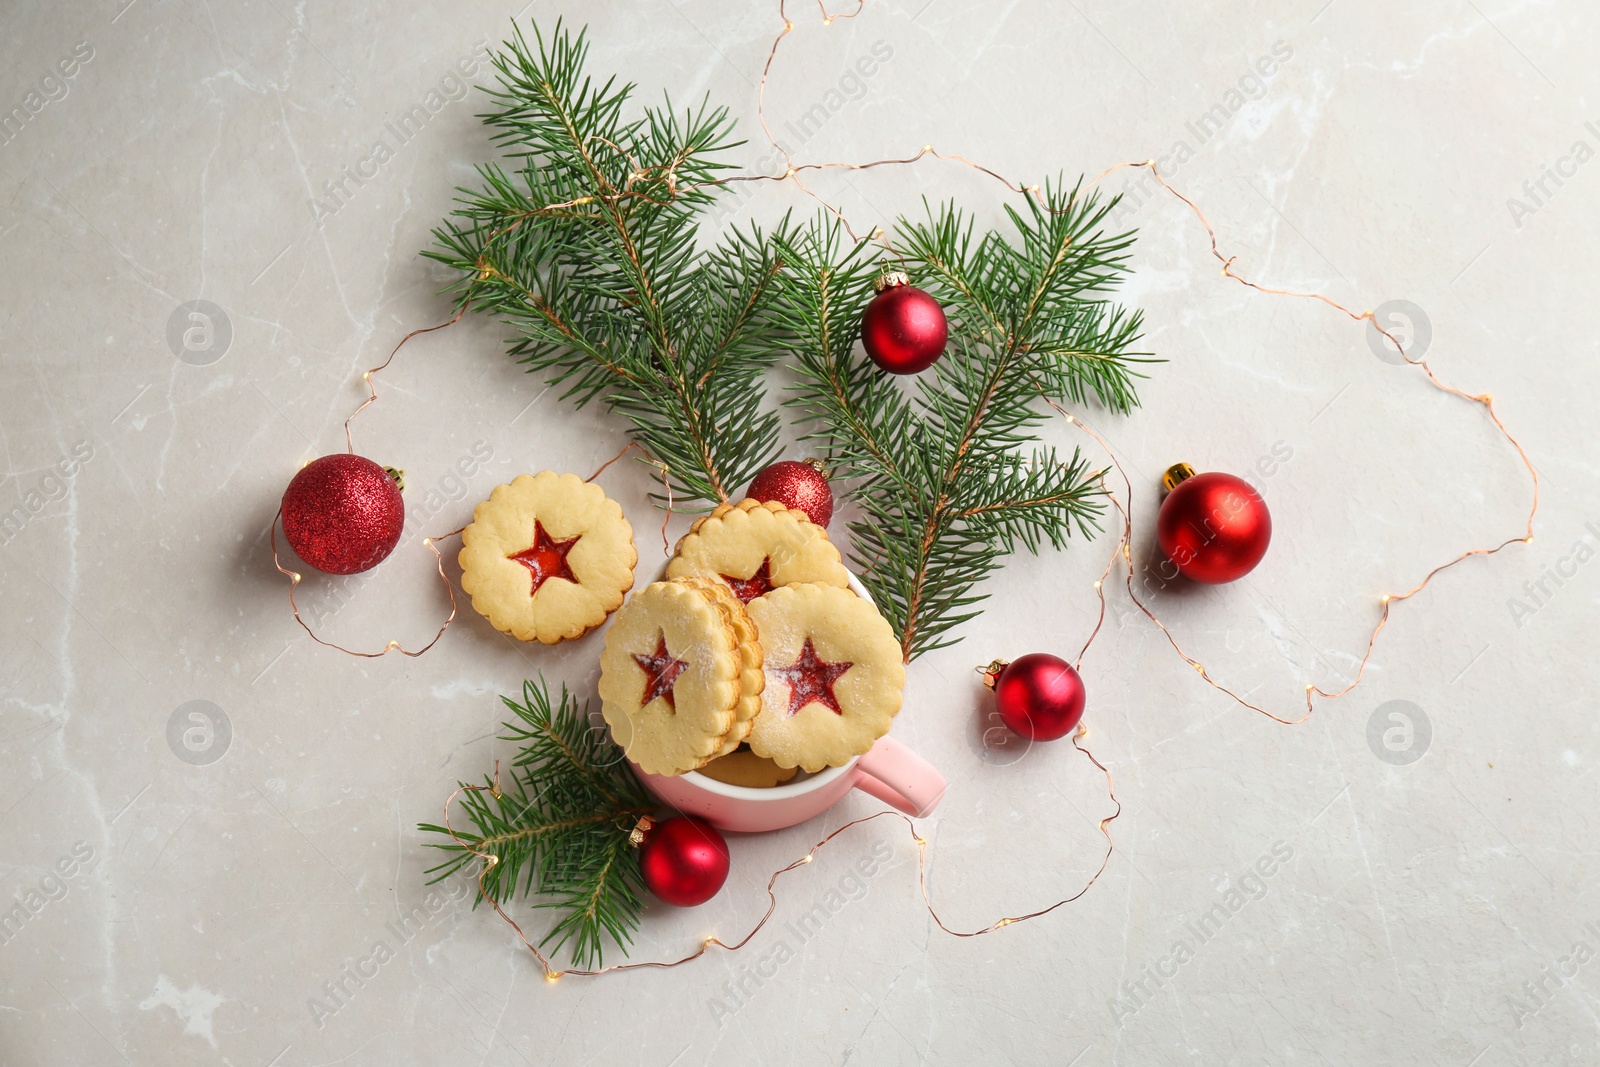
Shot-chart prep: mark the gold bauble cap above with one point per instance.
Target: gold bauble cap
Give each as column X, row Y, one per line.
column 1178, row 472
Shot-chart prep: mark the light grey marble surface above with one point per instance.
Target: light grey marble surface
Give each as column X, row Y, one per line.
column 176, row 911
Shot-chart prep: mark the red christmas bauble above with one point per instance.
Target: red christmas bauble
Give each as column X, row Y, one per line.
column 343, row 513
column 1214, row 527
column 903, row 329
column 797, row 485
column 1039, row 696
column 684, row 861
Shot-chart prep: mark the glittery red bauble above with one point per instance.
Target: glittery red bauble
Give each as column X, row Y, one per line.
column 904, row 329
column 796, row 485
column 343, row 513
column 1039, row 696
column 684, row 861
column 1214, row 527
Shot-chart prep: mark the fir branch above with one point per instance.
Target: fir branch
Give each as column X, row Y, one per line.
column 588, row 248
column 558, row 828
column 940, row 471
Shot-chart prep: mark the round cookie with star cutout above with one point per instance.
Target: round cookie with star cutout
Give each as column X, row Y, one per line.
column 680, row 677
column 754, row 547
column 547, row 557
column 834, row 676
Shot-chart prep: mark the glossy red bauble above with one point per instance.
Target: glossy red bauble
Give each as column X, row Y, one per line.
column 904, row 329
column 801, row 486
column 343, row 513
column 1039, row 696
column 1213, row 527
column 684, row 861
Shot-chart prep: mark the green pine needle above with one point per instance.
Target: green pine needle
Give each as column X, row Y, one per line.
column 559, row 826
column 588, row 247
column 947, row 473
column 587, row 241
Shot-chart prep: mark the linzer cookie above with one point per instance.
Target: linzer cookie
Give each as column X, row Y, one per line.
column 680, row 677
column 834, row 676
column 754, row 548
column 547, row 557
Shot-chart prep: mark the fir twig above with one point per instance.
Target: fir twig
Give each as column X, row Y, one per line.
column 558, row 827
column 588, row 248
column 943, row 471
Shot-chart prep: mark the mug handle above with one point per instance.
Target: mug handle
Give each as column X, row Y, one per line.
column 899, row 777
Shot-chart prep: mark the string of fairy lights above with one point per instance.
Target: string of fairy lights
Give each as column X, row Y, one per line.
column 553, row 973
column 1121, row 556
column 430, row 543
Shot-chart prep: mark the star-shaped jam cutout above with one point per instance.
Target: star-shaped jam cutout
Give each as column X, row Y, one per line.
column 758, row 584
column 811, row 680
column 546, row 558
column 661, row 670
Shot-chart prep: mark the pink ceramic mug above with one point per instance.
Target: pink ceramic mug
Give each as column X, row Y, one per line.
column 889, row 771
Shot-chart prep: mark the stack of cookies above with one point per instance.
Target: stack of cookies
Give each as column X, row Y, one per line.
column 753, row 659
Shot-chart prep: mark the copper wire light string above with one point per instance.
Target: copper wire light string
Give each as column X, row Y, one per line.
column 552, row 973
column 1388, row 600
column 666, row 484
column 295, row 577
column 431, row 543
column 372, row 386
column 1122, row 548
